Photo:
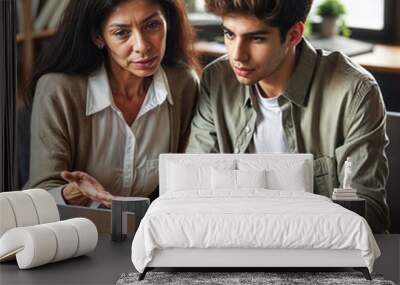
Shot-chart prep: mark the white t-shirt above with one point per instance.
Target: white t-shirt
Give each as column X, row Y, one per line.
column 269, row 135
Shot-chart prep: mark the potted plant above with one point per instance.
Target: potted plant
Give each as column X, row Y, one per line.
column 331, row 12
column 190, row 5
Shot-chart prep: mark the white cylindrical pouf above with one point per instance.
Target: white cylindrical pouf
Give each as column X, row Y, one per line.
column 45, row 205
column 7, row 218
column 40, row 244
column 34, row 246
column 87, row 235
column 67, row 239
column 23, row 208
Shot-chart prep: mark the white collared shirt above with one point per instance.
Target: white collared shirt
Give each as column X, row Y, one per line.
column 269, row 135
column 125, row 158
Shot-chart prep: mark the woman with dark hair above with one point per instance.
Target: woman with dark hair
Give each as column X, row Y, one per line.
column 116, row 88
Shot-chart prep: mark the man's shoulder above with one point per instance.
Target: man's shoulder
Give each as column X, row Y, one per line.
column 219, row 69
column 343, row 81
column 219, row 78
column 345, row 73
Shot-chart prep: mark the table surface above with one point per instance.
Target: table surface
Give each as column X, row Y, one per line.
column 384, row 59
column 110, row 259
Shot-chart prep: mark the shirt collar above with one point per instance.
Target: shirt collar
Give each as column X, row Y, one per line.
column 157, row 93
column 301, row 80
column 99, row 94
column 161, row 85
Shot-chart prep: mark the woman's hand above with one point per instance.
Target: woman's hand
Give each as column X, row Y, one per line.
column 81, row 187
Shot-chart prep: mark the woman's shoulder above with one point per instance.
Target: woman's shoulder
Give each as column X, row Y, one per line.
column 51, row 82
column 181, row 73
column 60, row 91
column 51, row 85
column 60, row 80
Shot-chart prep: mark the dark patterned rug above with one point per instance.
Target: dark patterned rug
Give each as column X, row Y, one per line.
column 243, row 278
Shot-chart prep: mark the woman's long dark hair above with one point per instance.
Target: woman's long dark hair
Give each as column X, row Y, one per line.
column 72, row 49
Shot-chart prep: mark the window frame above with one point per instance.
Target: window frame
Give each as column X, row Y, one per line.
column 383, row 35
column 386, row 35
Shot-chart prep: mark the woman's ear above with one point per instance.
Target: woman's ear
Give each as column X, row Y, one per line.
column 98, row 41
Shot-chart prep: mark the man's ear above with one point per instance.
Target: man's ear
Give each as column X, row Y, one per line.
column 295, row 34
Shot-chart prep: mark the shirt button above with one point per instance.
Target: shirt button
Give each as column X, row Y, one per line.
column 236, row 150
column 247, row 129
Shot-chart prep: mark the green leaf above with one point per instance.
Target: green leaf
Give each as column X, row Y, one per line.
column 344, row 29
column 331, row 8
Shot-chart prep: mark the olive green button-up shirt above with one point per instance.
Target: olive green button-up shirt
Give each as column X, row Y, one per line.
column 331, row 108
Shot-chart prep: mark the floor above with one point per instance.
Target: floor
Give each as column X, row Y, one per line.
column 389, row 262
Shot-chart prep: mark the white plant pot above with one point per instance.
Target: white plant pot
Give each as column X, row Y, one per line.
column 329, row 27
